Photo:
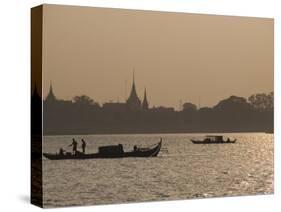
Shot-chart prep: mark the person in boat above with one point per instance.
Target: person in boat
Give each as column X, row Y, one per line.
column 83, row 145
column 61, row 151
column 228, row 140
column 74, row 146
column 135, row 148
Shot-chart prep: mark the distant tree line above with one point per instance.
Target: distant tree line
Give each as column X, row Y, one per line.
column 83, row 115
column 233, row 114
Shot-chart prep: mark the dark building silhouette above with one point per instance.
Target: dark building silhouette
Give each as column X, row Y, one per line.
column 234, row 114
column 51, row 98
column 115, row 107
column 145, row 105
column 133, row 102
column 162, row 109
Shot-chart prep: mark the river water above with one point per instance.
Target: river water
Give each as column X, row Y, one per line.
column 182, row 170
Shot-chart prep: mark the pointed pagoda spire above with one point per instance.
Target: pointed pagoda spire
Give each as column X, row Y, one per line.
column 133, row 101
column 145, row 102
column 51, row 97
column 35, row 95
column 133, row 91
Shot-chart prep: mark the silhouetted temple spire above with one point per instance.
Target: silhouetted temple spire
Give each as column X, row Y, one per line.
column 145, row 102
column 133, row 101
column 51, row 97
column 35, row 91
column 35, row 96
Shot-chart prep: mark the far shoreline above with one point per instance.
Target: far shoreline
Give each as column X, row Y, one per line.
column 159, row 133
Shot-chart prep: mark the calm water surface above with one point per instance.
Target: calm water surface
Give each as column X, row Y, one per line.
column 182, row 170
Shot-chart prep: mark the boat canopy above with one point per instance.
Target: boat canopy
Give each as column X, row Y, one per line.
column 111, row 150
column 215, row 137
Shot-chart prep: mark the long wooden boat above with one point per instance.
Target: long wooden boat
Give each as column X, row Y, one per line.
column 115, row 151
column 214, row 139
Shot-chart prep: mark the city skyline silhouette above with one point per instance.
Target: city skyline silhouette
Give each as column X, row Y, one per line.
column 133, row 88
column 83, row 115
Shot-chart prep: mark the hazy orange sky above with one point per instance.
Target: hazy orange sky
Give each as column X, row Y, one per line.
column 176, row 56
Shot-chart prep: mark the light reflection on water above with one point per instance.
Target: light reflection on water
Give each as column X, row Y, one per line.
column 182, row 170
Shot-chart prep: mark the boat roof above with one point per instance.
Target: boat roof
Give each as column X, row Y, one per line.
column 214, row 136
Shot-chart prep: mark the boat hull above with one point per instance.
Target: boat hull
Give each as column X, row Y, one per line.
column 139, row 153
column 213, row 142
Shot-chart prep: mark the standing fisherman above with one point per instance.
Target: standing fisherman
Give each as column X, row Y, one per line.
column 74, row 146
column 83, row 145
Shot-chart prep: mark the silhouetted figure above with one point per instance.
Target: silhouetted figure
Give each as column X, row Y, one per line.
column 83, row 145
column 61, row 151
column 135, row 148
column 74, row 146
